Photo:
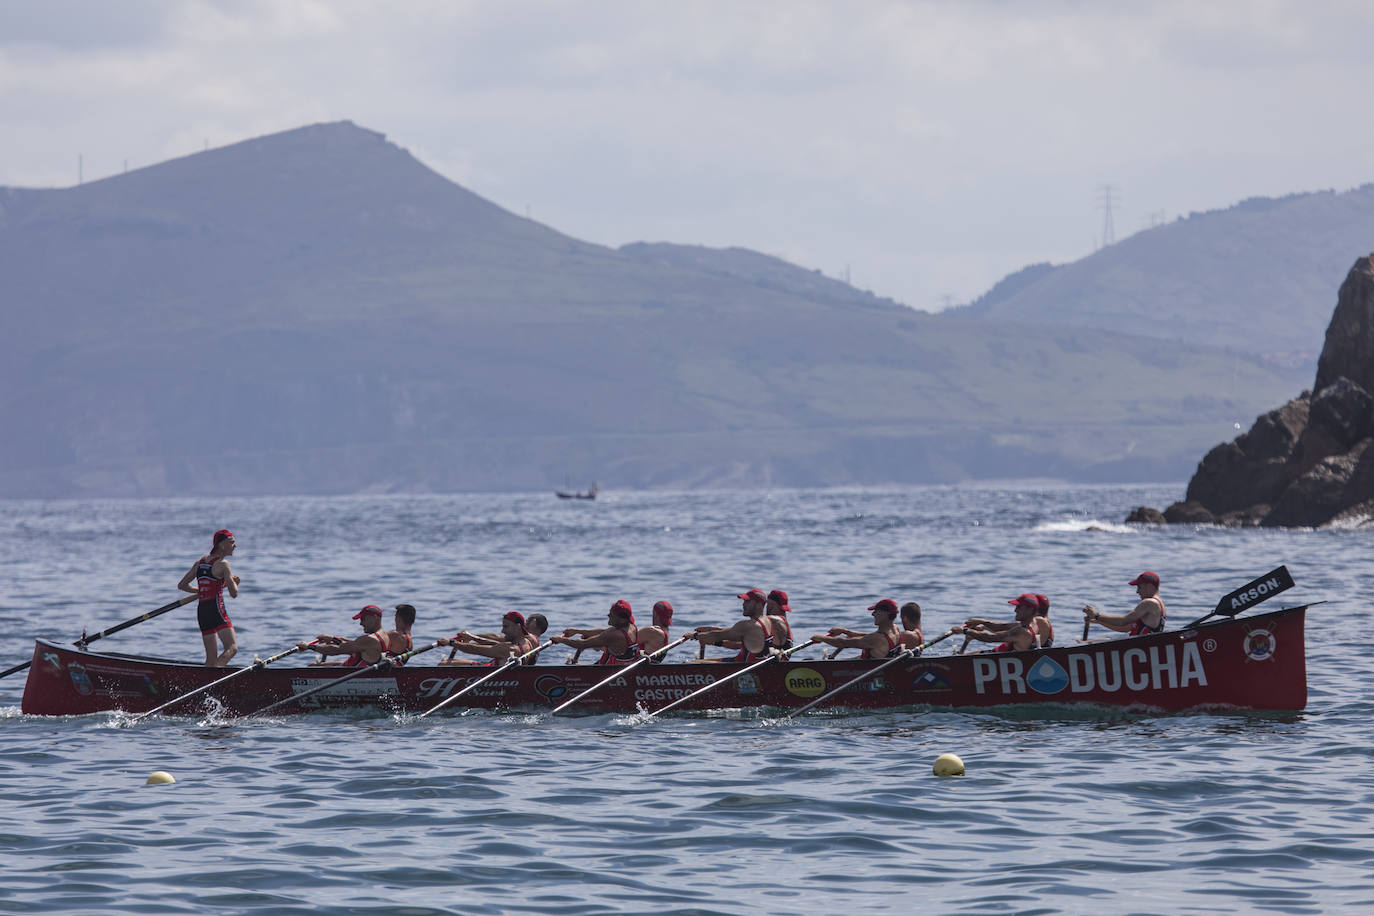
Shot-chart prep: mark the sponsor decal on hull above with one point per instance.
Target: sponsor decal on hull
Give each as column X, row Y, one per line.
column 805, row 682
column 364, row 691
column 931, row 679
column 1158, row 667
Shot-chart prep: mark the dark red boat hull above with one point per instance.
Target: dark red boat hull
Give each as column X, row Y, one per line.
column 1250, row 663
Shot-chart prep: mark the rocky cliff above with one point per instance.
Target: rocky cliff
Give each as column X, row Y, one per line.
column 1309, row 462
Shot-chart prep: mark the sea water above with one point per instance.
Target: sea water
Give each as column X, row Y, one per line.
column 1077, row 812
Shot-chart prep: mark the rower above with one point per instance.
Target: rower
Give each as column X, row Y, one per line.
column 1147, row 616
column 910, row 635
column 618, row 642
column 883, row 642
column 1028, row 615
column 778, row 610
column 752, row 636
column 514, row 638
column 212, row 576
column 1017, row 636
column 1042, row 620
column 655, row 637
column 398, row 639
column 366, row 649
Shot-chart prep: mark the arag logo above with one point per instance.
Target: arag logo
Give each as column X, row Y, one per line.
column 805, row 682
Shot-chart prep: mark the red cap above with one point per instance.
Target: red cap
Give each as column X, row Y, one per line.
column 517, row 617
column 622, row 606
column 780, row 597
column 664, row 608
column 1027, row 599
column 754, row 594
column 370, row 609
column 887, row 604
column 221, row 535
column 1152, row 578
column 1043, row 602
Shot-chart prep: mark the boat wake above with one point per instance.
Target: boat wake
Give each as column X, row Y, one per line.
column 1086, row 524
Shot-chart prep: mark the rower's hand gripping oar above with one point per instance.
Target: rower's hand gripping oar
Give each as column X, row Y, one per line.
column 513, row 660
column 85, row 640
column 258, row 664
column 620, row 672
column 904, row 654
column 387, row 662
column 730, row 677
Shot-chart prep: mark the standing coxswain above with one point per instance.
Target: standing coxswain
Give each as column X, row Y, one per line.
column 1147, row 616
column 212, row 576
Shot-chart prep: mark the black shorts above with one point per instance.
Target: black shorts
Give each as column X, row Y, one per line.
column 212, row 616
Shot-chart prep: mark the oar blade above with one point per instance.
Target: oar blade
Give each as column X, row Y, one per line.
column 1255, row 591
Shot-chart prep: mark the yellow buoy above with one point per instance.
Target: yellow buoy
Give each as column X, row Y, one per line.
column 159, row 778
column 949, row 765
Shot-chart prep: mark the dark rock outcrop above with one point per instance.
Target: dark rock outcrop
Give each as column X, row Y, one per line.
column 1309, row 462
column 1144, row 515
column 1188, row 513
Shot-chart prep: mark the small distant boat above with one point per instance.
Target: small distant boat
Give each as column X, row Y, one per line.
column 590, row 494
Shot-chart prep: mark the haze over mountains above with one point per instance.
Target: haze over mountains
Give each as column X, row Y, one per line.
column 317, row 312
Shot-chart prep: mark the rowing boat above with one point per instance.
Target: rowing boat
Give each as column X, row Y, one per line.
column 1255, row 662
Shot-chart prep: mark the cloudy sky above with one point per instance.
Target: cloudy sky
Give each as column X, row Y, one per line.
column 927, row 148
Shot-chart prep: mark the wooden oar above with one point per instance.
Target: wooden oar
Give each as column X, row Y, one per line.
column 86, row 640
column 728, row 678
column 905, row 653
column 620, row 672
column 515, row 660
column 386, row 662
column 258, row 664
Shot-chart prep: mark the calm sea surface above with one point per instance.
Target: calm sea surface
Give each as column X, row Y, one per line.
column 488, row 813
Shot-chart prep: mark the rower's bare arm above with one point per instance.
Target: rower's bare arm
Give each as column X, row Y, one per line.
column 231, row 581
column 185, row 583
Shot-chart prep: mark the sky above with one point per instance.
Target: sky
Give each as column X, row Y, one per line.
column 924, row 150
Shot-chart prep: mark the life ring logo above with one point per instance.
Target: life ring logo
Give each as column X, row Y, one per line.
column 1260, row 645
column 805, row 682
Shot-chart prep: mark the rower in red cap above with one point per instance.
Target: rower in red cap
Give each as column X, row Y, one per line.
column 515, row 638
column 618, row 642
column 366, row 649
column 778, row 609
column 752, row 636
column 1038, row 622
column 883, row 642
column 213, row 576
column 1018, row 636
column 1147, row 616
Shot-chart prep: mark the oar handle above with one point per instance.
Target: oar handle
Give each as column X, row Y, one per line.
column 87, row 640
